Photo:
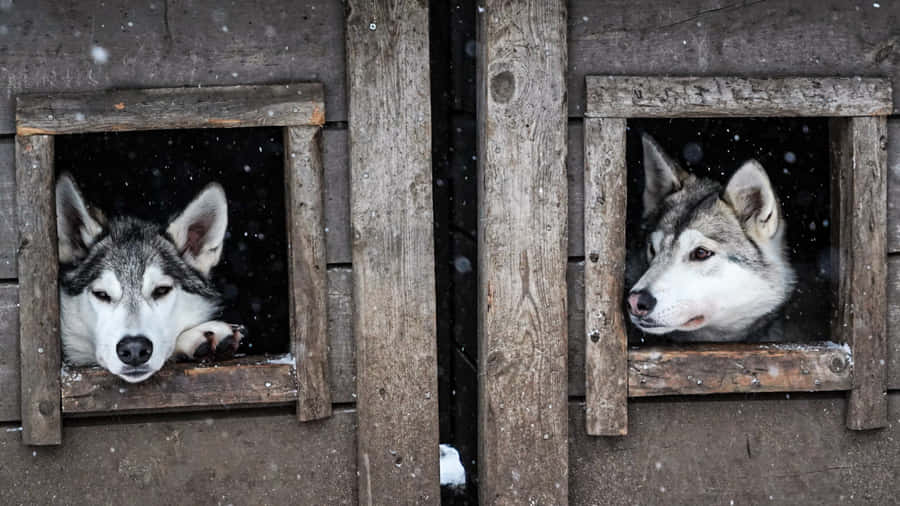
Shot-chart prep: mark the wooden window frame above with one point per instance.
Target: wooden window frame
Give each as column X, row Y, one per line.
column 858, row 108
column 47, row 391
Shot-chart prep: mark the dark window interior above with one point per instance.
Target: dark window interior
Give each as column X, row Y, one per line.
column 153, row 175
column 795, row 154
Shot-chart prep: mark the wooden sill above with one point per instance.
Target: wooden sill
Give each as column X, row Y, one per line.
column 738, row 368
column 243, row 382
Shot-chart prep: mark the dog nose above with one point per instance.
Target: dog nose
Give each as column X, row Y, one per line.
column 134, row 350
column 641, row 303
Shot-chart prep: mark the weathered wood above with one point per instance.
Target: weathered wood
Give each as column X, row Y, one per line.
column 738, row 368
column 169, row 108
column 259, row 457
column 245, row 382
column 9, row 353
column 48, row 47
column 893, row 186
column 606, row 340
column 306, row 250
column 763, row 449
column 893, row 322
column 393, row 250
column 704, row 97
column 39, row 347
column 8, row 231
column 714, row 37
column 337, row 196
column 859, row 169
column 522, row 425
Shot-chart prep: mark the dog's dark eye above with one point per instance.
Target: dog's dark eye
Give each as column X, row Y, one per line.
column 651, row 251
column 701, row 254
column 100, row 294
column 161, row 291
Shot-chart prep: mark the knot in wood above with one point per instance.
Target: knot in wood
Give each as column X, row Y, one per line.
column 594, row 257
column 45, row 408
column 595, row 335
column 503, row 87
column 838, row 364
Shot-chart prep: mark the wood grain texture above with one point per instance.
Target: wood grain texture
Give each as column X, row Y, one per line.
column 893, row 186
column 859, row 180
column 48, row 47
column 39, row 346
column 760, row 449
column 337, row 196
column 778, row 38
column 9, row 352
column 171, row 108
column 257, row 457
column 522, row 426
column 705, row 97
column 185, row 386
column 606, row 339
column 8, row 232
column 893, row 322
column 306, row 251
column 738, row 368
column 393, row 250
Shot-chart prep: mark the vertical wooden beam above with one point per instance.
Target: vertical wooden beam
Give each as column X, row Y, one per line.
column 306, row 251
column 859, row 207
column 38, row 266
column 522, row 202
column 606, row 348
column 391, row 213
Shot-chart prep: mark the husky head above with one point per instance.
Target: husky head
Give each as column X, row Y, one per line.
column 716, row 265
column 128, row 288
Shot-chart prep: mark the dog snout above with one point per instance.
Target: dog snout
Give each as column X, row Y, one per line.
column 640, row 303
column 134, row 350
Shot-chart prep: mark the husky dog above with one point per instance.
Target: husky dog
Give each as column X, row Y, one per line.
column 716, row 267
column 132, row 294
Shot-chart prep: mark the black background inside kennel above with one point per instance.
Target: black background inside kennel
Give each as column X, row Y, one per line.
column 153, row 175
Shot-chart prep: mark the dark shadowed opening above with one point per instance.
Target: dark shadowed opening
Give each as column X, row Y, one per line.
column 153, row 175
column 795, row 154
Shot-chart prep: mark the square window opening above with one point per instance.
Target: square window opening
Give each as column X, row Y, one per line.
column 795, row 155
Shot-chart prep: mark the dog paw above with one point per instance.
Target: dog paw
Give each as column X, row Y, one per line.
column 210, row 341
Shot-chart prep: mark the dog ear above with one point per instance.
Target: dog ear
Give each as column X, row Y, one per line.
column 76, row 227
column 749, row 192
column 662, row 175
column 198, row 232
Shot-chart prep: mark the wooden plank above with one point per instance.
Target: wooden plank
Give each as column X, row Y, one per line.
column 169, row 108
column 606, row 339
column 705, row 97
column 859, row 169
column 337, row 196
column 306, row 249
column 8, row 231
column 738, row 368
column 893, row 322
column 49, row 47
column 522, row 206
column 715, row 37
column 393, row 250
column 246, row 382
column 9, row 353
column 893, row 186
column 761, row 449
column 39, row 346
column 210, row 458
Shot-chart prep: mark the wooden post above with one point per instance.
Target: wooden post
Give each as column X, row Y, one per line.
column 306, row 251
column 859, row 207
column 606, row 348
column 522, row 201
column 38, row 266
column 391, row 213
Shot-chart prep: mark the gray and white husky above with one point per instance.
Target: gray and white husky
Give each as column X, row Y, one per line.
column 716, row 267
column 132, row 294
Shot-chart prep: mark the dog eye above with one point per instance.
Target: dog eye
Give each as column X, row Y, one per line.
column 701, row 254
column 651, row 251
column 160, row 292
column 100, row 294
